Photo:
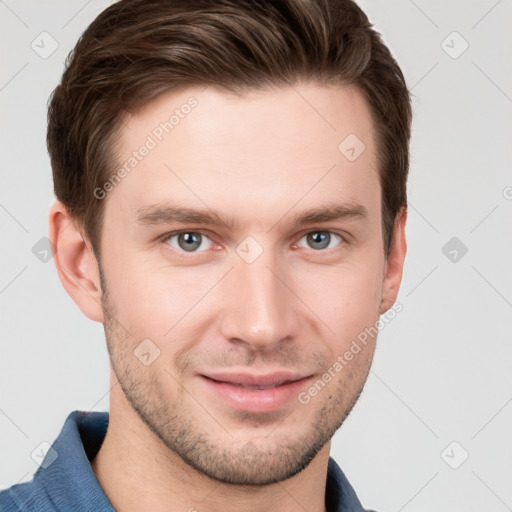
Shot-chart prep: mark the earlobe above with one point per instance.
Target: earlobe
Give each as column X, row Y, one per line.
column 75, row 262
column 394, row 263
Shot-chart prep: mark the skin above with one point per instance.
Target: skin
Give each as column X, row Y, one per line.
column 261, row 159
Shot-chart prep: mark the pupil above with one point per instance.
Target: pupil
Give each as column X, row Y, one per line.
column 192, row 241
column 321, row 239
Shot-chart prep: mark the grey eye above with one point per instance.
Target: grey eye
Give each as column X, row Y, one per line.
column 319, row 240
column 188, row 241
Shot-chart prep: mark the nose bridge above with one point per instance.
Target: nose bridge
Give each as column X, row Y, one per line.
column 259, row 310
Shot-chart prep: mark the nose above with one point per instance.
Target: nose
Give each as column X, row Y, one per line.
column 259, row 309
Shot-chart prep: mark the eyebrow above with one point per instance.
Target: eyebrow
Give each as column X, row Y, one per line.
column 158, row 214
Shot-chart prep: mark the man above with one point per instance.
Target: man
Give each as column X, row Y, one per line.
column 231, row 205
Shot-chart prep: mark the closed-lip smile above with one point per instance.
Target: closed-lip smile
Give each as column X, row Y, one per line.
column 257, row 393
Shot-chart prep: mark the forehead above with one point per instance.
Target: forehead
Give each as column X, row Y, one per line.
column 266, row 149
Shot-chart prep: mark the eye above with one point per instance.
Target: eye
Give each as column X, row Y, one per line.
column 188, row 241
column 319, row 240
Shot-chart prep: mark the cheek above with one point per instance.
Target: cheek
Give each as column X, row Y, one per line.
column 346, row 297
column 153, row 299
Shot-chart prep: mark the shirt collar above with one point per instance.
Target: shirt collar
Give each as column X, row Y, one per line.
column 66, row 473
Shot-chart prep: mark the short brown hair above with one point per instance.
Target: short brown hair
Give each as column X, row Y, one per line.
column 136, row 50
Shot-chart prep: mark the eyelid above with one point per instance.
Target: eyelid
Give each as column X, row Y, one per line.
column 165, row 237
column 343, row 239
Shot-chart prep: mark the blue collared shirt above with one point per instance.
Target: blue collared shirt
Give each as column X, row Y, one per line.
column 65, row 481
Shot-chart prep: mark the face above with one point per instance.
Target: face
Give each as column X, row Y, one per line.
column 242, row 255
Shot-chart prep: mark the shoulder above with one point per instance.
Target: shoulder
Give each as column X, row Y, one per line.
column 28, row 496
column 64, row 480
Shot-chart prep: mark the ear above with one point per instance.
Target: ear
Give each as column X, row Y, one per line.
column 75, row 261
column 394, row 263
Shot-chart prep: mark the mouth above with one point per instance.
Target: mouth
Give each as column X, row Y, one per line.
column 260, row 381
column 256, row 393
column 254, row 387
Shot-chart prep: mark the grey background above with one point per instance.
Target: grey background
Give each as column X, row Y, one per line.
column 442, row 367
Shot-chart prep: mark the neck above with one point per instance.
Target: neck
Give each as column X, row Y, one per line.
column 137, row 471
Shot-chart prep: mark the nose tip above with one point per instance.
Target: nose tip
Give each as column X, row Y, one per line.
column 261, row 338
column 259, row 312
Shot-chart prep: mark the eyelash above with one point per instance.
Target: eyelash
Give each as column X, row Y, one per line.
column 165, row 238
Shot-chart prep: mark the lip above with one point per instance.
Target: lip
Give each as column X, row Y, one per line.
column 255, row 380
column 255, row 393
